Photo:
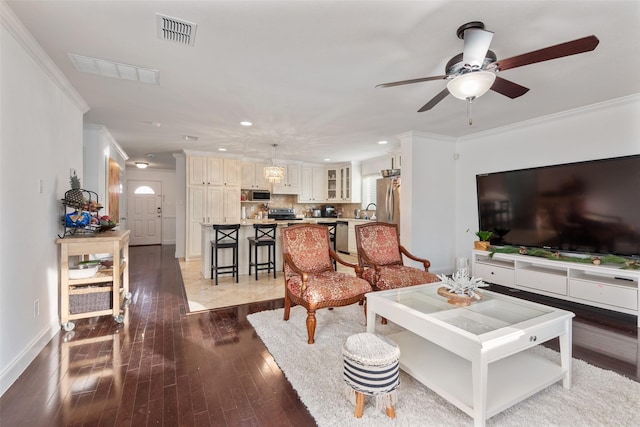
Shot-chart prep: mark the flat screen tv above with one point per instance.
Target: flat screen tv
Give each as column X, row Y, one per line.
column 588, row 207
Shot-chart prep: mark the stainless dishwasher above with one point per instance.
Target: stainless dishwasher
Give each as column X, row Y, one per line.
column 342, row 236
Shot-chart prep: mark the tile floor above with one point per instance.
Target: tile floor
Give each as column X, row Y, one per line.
column 203, row 294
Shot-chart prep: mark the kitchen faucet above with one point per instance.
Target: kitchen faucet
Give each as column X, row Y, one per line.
column 366, row 210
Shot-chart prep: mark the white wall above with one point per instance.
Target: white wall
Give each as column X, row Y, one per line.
column 169, row 204
column 605, row 130
column 181, row 203
column 41, row 140
column 427, row 201
column 375, row 165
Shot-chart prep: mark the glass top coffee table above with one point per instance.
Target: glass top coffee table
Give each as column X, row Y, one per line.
column 475, row 356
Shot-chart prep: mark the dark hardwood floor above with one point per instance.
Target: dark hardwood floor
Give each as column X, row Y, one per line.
column 163, row 367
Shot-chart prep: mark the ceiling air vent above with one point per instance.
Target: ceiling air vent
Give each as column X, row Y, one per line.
column 176, row 30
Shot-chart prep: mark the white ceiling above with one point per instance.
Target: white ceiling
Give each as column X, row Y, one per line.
column 304, row 72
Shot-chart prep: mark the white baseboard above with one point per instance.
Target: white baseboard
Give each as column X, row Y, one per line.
column 13, row 370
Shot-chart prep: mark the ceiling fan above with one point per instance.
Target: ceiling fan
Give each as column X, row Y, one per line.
column 473, row 72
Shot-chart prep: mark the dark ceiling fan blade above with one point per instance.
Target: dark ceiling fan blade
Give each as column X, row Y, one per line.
column 432, row 103
column 407, row 82
column 508, row 88
column 585, row 44
column 476, row 45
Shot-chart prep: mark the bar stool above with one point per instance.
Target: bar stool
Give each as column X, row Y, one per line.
column 332, row 237
column 265, row 235
column 225, row 237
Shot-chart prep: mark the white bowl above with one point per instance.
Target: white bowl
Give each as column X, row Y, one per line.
column 83, row 271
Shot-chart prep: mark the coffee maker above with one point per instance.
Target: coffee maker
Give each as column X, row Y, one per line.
column 329, row 211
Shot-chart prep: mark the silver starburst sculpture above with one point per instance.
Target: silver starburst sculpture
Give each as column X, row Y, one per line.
column 460, row 283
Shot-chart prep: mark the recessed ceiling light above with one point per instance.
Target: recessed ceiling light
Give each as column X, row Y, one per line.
column 142, row 165
column 222, row 149
column 190, row 138
column 151, row 155
column 154, row 124
column 383, row 142
column 327, row 160
column 246, row 123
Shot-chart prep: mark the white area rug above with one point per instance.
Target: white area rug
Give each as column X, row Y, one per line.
column 597, row 398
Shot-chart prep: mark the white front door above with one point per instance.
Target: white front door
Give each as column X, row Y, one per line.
column 144, row 205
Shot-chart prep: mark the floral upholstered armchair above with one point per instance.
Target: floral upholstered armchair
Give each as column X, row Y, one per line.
column 310, row 279
column 380, row 255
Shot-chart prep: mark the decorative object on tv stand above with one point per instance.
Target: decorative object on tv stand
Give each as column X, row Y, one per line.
column 274, row 173
column 626, row 263
column 483, row 240
column 460, row 289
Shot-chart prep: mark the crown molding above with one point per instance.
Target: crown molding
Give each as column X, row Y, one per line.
column 630, row 99
column 104, row 132
column 14, row 26
column 426, row 135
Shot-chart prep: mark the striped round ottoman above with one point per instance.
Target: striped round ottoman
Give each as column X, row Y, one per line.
column 371, row 366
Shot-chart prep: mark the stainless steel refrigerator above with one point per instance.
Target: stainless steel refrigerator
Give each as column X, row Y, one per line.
column 388, row 200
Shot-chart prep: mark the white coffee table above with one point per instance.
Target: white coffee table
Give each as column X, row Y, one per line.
column 474, row 356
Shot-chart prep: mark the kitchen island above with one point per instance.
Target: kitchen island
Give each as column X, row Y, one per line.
column 246, row 230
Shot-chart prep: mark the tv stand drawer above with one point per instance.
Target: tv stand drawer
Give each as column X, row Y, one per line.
column 494, row 274
column 598, row 292
column 543, row 280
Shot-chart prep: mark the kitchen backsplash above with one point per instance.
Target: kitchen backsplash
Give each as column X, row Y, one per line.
column 290, row 201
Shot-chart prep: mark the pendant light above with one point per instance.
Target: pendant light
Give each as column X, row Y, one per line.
column 274, row 173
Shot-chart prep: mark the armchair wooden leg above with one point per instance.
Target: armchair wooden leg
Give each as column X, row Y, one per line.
column 311, row 325
column 287, row 306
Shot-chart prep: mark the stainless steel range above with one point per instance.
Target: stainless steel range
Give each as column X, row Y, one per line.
column 282, row 214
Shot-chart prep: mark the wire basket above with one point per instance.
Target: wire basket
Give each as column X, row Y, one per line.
column 84, row 303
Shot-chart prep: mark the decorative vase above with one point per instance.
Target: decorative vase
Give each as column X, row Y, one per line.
column 481, row 245
column 457, row 299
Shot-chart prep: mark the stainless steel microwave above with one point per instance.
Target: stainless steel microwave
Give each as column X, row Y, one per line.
column 260, row 195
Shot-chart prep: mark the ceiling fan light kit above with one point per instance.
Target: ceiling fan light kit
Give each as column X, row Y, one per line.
column 471, row 85
column 473, row 72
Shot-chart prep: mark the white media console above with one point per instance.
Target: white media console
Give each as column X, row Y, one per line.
column 604, row 286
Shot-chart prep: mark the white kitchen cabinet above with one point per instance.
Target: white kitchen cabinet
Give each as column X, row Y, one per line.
column 344, row 183
column 213, row 171
column 205, row 170
column 604, row 286
column 313, row 184
column 350, row 183
column 210, row 205
column 291, row 182
column 252, row 177
column 231, row 172
column 332, row 184
column 213, row 196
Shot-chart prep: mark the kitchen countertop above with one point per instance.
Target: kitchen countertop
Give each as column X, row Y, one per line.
column 286, row 221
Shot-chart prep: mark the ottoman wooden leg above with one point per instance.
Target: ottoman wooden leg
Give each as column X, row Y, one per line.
column 391, row 412
column 359, row 404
